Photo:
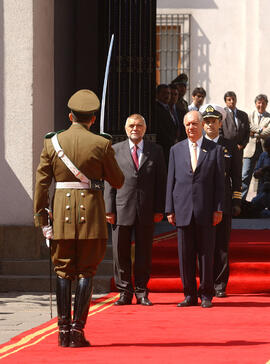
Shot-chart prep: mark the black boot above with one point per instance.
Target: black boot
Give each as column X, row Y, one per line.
column 81, row 307
column 63, row 297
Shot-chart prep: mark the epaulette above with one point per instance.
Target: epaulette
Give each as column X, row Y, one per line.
column 52, row 133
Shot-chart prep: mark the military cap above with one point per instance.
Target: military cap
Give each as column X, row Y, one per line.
column 181, row 79
column 213, row 111
column 84, row 101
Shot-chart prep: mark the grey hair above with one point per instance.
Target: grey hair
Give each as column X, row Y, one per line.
column 136, row 117
column 261, row 97
column 192, row 112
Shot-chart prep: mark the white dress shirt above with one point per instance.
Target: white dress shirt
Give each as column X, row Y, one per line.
column 199, row 144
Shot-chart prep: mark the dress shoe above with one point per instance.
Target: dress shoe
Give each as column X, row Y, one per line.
column 123, row 300
column 144, row 301
column 206, row 303
column 187, row 302
column 220, row 294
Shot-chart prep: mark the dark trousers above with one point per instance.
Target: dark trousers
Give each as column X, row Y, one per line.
column 221, row 258
column 195, row 241
column 121, row 241
column 77, row 258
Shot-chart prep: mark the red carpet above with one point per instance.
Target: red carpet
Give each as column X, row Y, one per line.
column 249, row 263
column 235, row 330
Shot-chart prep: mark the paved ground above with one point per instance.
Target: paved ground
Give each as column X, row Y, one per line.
column 22, row 311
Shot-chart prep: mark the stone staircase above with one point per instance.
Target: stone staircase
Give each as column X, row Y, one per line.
column 24, row 262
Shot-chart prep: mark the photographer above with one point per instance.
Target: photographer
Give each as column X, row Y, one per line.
column 262, row 172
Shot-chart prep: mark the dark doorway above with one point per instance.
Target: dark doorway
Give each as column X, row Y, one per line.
column 83, row 30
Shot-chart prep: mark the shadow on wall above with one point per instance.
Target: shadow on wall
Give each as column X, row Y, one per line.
column 12, row 192
column 199, row 56
column 190, row 4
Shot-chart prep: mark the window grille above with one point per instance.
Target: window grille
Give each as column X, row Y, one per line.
column 172, row 46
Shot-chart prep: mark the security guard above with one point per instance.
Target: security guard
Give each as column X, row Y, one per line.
column 213, row 116
column 78, row 161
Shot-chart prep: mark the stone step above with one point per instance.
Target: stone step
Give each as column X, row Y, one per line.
column 41, row 283
column 29, row 267
column 42, row 266
column 105, row 268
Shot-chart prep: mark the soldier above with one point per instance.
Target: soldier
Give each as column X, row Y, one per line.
column 213, row 115
column 79, row 232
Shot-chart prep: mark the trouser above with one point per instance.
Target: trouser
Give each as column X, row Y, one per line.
column 221, row 258
column 248, row 169
column 121, row 240
column 77, row 258
column 195, row 241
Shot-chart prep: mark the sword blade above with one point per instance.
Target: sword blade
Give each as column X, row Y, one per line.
column 105, row 86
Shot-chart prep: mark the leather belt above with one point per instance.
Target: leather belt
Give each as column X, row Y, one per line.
column 93, row 184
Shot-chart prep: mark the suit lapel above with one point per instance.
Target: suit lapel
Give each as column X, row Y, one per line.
column 127, row 154
column 145, row 153
column 186, row 153
column 203, row 151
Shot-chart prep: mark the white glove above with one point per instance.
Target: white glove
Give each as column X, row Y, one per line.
column 47, row 231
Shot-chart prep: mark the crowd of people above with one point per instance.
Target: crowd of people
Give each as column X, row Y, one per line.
column 249, row 133
column 193, row 174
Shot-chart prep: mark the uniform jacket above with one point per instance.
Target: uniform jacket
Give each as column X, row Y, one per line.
column 77, row 214
column 233, row 177
column 143, row 192
column 166, row 130
column 199, row 193
column 255, row 127
column 239, row 135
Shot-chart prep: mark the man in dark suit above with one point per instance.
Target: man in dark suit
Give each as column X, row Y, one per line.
column 134, row 208
column 176, row 113
column 194, row 203
column 165, row 125
column 235, row 127
column 181, row 83
column 213, row 116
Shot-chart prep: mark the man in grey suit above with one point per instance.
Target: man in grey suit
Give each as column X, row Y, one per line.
column 235, row 127
column 134, row 208
column 259, row 130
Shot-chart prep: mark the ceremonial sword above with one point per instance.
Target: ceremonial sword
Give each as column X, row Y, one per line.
column 102, row 133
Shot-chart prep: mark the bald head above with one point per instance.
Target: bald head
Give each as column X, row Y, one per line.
column 194, row 125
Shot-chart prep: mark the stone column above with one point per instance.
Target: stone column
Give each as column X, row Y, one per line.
column 26, row 114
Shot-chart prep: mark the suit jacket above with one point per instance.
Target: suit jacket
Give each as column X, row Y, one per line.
column 256, row 127
column 166, row 135
column 77, row 214
column 199, row 193
column 233, row 174
column 143, row 192
column 239, row 135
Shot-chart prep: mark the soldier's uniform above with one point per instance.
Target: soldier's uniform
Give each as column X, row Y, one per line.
column 233, row 181
column 181, row 104
column 79, row 224
column 232, row 202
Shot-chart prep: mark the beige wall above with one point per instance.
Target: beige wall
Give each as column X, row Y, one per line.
column 230, row 46
column 26, row 101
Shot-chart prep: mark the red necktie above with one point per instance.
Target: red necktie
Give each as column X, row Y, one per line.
column 135, row 156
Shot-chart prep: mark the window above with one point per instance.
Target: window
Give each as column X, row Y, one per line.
column 172, row 46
